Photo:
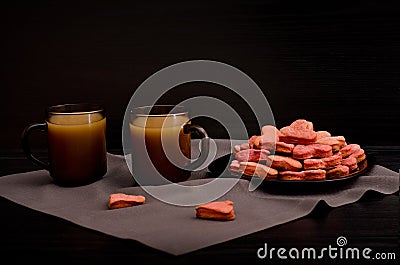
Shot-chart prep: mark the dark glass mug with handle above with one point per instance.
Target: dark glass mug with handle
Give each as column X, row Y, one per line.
column 76, row 136
column 161, row 144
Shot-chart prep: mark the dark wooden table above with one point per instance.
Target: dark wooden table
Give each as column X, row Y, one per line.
column 28, row 236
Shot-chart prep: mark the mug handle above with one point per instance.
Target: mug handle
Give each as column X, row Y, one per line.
column 205, row 145
column 26, row 147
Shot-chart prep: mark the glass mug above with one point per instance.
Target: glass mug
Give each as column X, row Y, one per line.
column 161, row 144
column 76, row 136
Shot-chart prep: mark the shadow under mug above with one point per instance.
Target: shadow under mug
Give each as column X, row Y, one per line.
column 76, row 136
column 161, row 144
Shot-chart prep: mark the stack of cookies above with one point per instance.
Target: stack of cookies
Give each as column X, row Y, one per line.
column 296, row 152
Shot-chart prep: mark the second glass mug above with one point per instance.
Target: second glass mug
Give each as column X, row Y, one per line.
column 161, row 144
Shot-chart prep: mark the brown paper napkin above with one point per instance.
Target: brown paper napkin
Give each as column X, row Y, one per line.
column 179, row 231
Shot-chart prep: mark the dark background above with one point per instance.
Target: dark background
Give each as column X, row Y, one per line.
column 335, row 63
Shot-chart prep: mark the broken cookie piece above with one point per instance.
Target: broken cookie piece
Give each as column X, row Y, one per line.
column 121, row 200
column 219, row 210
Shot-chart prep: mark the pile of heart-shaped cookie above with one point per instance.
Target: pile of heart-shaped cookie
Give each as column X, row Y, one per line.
column 296, row 152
